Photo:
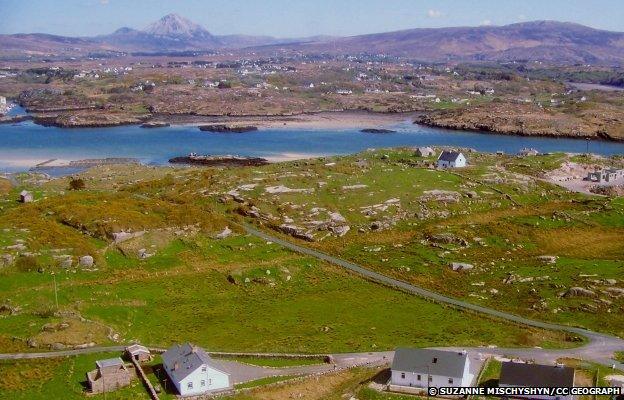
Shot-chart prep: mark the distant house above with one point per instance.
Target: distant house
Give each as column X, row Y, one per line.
column 110, row 374
column 192, row 371
column 422, row 368
column 25, row 197
column 424, row 152
column 605, row 175
column 451, row 159
column 138, row 353
column 528, row 152
column 536, row 375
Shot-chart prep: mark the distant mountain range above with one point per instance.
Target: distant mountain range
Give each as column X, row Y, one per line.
column 540, row 40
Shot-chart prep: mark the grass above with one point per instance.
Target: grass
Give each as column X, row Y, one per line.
column 619, row 356
column 276, row 362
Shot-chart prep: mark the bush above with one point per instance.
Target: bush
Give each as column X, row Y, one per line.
column 76, row 184
column 27, row 264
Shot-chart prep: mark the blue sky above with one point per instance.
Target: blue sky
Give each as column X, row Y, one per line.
column 297, row 18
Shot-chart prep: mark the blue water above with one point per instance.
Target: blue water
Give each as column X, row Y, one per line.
column 25, row 144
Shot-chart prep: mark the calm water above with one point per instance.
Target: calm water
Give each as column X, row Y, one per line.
column 25, row 144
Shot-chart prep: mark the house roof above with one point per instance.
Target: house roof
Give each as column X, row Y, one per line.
column 182, row 360
column 24, row 193
column 449, row 156
column 536, row 375
column 431, row 362
column 424, row 149
column 137, row 348
column 109, row 362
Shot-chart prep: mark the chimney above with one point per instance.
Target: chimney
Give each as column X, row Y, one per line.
column 176, row 366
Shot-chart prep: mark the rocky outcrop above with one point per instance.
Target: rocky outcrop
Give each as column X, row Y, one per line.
column 219, row 161
column 227, row 128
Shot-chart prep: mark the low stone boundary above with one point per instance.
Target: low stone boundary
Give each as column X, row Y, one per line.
column 143, row 377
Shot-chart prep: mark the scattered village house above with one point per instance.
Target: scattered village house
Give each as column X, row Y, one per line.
column 605, row 175
column 111, row 374
column 193, row 372
column 536, row 375
column 528, row 152
column 424, row 152
column 25, row 197
column 451, row 159
column 138, row 353
column 422, row 368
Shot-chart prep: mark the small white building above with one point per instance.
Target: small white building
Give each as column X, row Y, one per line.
column 26, row 197
column 451, row 159
column 423, row 368
column 528, row 152
column 193, row 372
column 424, row 152
column 514, row 374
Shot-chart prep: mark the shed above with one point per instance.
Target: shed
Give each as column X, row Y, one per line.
column 25, row 196
column 138, row 353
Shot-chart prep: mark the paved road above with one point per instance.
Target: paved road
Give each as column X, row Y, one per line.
column 600, row 347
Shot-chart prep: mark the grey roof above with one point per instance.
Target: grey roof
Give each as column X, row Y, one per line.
column 449, row 156
column 188, row 358
column 536, row 375
column 137, row 348
column 110, row 362
column 447, row 363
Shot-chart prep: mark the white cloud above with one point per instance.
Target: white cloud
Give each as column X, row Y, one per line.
column 434, row 13
column 486, row 22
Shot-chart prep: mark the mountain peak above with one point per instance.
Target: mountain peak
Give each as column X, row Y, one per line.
column 174, row 25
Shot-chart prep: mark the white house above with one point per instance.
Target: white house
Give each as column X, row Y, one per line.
column 193, row 372
column 423, row 368
column 515, row 374
column 424, row 152
column 451, row 159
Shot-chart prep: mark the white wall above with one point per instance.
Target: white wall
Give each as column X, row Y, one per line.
column 213, row 380
column 411, row 379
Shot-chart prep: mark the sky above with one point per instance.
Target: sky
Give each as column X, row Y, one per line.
column 298, row 18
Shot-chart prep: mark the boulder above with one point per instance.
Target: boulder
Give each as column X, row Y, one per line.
column 548, row 259
column 340, row 230
column 6, row 260
column 86, row 261
column 225, row 233
column 457, row 266
column 615, row 291
column 579, row 292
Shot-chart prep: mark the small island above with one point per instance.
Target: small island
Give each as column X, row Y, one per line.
column 155, row 124
column 377, row 130
column 227, row 128
column 227, row 160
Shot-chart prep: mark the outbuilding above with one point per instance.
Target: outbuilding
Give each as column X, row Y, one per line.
column 424, row 152
column 138, row 353
column 25, row 196
column 515, row 374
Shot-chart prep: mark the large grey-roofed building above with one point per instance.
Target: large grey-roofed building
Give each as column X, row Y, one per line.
column 428, row 367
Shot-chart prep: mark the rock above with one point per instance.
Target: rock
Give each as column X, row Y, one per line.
column 493, row 291
column 377, row 130
column 225, row 233
column 6, row 260
column 448, row 238
column 340, row 230
column 548, row 259
column 232, row 280
column 7, row 309
column 457, row 266
column 336, row 217
column 352, row 187
column 66, row 263
column 32, row 343
column 615, row 291
column 610, row 281
column 86, row 261
column 57, row 346
column 579, row 292
column 296, row 232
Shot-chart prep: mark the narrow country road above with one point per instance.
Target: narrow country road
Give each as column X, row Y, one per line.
column 600, row 347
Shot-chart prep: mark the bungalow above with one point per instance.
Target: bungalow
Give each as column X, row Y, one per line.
column 536, row 375
column 422, row 368
column 451, row 159
column 138, row 353
column 25, row 197
column 193, row 372
column 110, row 374
column 424, row 152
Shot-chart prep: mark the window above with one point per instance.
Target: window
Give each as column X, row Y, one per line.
column 451, row 381
column 189, row 385
column 430, row 378
column 418, row 377
column 402, row 375
column 204, row 368
column 435, row 360
column 203, row 382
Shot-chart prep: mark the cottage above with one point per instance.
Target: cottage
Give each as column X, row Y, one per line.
column 110, row 374
column 193, row 372
column 26, row 197
column 138, row 353
column 451, row 159
column 605, row 175
column 536, row 375
column 424, row 152
column 422, row 368
column 528, row 152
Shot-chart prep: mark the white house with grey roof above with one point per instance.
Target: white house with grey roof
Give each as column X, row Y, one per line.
column 193, row 371
column 423, row 368
column 451, row 159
